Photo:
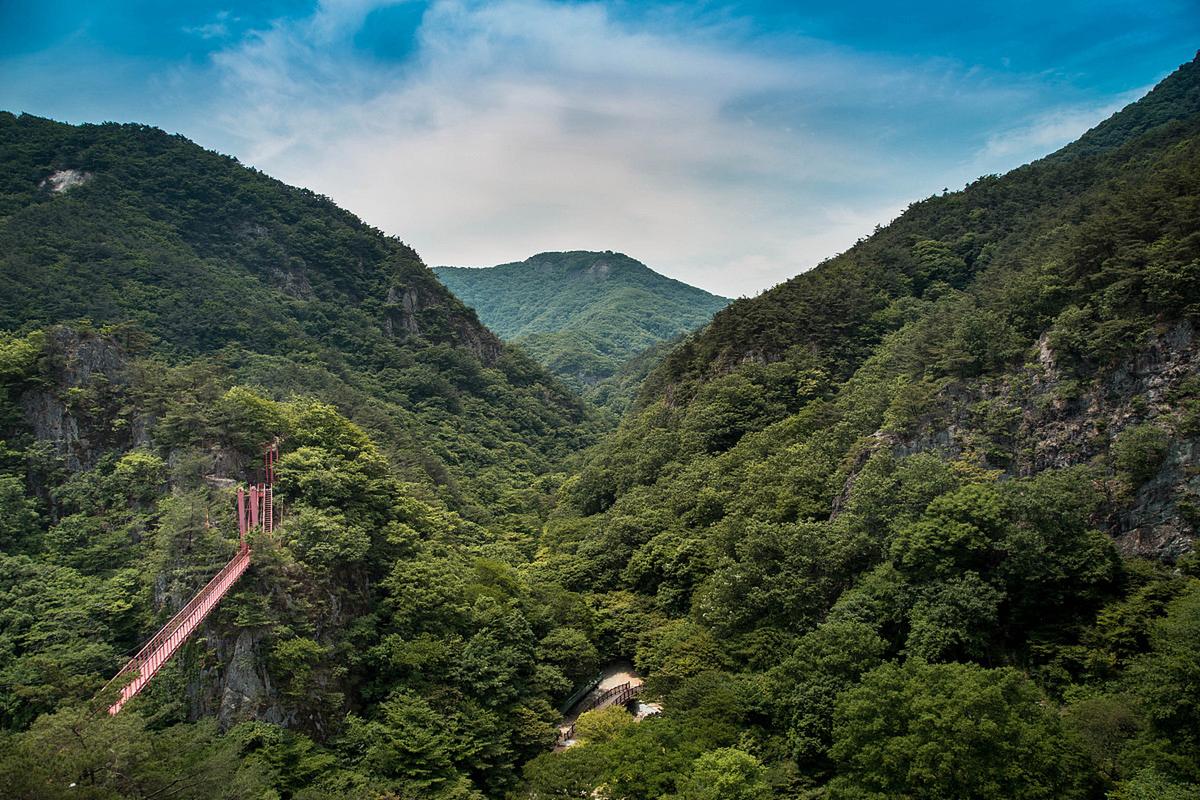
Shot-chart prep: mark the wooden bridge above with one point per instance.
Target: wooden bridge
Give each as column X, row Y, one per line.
column 255, row 509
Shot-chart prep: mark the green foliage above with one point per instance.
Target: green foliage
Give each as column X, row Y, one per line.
column 48, row 650
column 958, row 532
column 18, row 367
column 1104, row 725
column 407, row 746
column 597, row 727
column 109, row 758
column 288, row 761
column 584, row 315
column 1151, row 785
column 18, row 514
column 1138, row 452
column 828, row 660
column 724, row 410
column 331, row 610
column 952, row 619
column 248, row 421
column 725, row 774
column 294, row 660
column 1168, row 675
column 325, row 539
column 950, row 730
column 571, row 651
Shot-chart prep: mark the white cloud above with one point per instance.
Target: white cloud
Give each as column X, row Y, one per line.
column 523, row 125
column 1050, row 130
column 217, row 29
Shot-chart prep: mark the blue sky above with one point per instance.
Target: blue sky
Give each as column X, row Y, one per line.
column 731, row 145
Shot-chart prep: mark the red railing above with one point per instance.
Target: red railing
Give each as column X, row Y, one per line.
column 163, row 644
column 255, row 509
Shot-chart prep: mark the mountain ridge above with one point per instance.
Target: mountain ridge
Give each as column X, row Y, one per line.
column 213, row 260
column 832, row 306
column 582, row 314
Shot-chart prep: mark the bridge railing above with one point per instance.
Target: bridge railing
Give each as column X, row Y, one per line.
column 613, row 696
column 580, row 693
column 253, row 506
column 163, row 644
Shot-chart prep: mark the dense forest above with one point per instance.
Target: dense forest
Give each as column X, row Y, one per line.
column 917, row 523
column 203, row 260
column 599, row 321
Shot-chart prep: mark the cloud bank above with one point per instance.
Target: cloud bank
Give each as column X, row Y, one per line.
column 732, row 160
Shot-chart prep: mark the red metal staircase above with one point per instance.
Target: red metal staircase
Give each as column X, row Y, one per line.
column 163, row 644
column 156, row 652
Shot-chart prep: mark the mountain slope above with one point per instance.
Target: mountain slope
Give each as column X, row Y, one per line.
column 581, row 314
column 842, row 309
column 123, row 224
column 959, row 461
column 165, row 312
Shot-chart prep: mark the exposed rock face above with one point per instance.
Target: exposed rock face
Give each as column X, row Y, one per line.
column 1154, row 525
column 245, row 690
column 402, row 307
column 599, row 270
column 227, row 680
column 479, row 340
column 1137, row 390
column 87, row 372
column 1041, row 418
column 294, row 283
column 64, row 180
column 230, row 674
column 403, row 313
column 52, row 422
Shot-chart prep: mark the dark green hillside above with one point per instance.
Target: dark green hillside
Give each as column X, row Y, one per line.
column 582, row 314
column 380, row 644
column 167, row 312
column 617, row 393
column 920, row 522
column 212, row 260
column 840, row 311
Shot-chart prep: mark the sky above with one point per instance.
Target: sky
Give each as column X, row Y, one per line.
column 729, row 145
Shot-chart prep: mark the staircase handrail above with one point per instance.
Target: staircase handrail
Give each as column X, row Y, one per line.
column 176, row 622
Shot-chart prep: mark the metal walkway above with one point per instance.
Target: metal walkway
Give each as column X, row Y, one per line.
column 254, row 509
column 613, row 696
column 163, row 645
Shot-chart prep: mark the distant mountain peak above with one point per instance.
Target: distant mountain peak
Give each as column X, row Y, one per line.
column 582, row 313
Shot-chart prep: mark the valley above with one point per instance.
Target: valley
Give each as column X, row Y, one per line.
column 918, row 522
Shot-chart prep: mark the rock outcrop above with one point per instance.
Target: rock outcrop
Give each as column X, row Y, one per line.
column 1042, row 417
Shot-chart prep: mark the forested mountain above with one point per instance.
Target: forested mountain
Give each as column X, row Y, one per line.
column 168, row 312
column 202, row 259
column 917, row 523
column 583, row 315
